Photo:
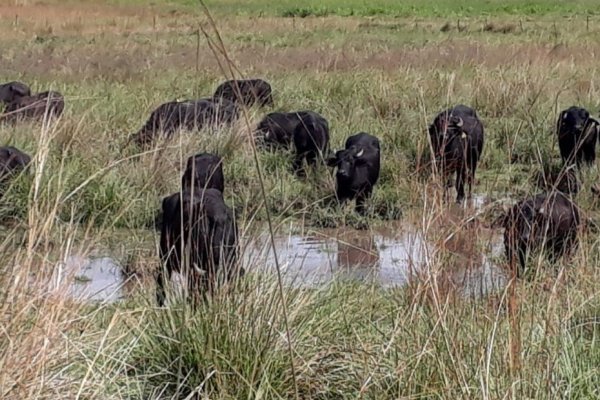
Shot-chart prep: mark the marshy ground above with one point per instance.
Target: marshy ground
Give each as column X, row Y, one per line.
column 415, row 304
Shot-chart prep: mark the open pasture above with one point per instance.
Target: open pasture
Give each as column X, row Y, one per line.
column 411, row 300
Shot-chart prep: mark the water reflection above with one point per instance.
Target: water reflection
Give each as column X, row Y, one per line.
column 356, row 250
column 317, row 259
column 451, row 247
column 459, row 255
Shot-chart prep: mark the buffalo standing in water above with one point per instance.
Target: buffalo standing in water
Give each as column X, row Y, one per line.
column 199, row 238
column 457, row 138
column 198, row 222
column 549, row 221
column 358, row 168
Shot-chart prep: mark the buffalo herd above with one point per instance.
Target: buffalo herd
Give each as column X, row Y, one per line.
column 199, row 233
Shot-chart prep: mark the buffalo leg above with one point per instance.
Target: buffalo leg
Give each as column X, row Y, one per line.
column 342, row 197
column 361, row 199
column 197, row 287
column 311, row 159
column 514, row 256
column 589, row 155
column 160, row 284
column 564, row 248
column 522, row 250
column 460, row 184
column 446, row 180
column 297, row 165
column 471, row 172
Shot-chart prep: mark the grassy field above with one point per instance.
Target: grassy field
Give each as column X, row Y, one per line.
column 425, row 8
column 383, row 67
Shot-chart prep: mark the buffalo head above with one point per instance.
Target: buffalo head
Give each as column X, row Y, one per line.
column 11, row 91
column 576, row 119
column 346, row 160
column 444, row 132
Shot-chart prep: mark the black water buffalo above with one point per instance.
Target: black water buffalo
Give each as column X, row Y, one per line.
column 548, row 221
column 37, row 106
column 225, row 112
column 12, row 91
column 311, row 139
column 12, row 161
column 198, row 238
column 307, row 130
column 203, row 171
column 577, row 135
column 190, row 115
column 246, row 92
column 277, row 129
column 457, row 137
column 357, row 169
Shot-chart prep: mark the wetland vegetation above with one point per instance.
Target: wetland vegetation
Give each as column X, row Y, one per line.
column 383, row 67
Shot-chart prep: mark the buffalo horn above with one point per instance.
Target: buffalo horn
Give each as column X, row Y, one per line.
column 594, row 120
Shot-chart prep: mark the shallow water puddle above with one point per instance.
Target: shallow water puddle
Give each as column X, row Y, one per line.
column 95, row 279
column 457, row 252
column 316, row 259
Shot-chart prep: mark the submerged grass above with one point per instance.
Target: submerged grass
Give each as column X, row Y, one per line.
column 347, row 339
